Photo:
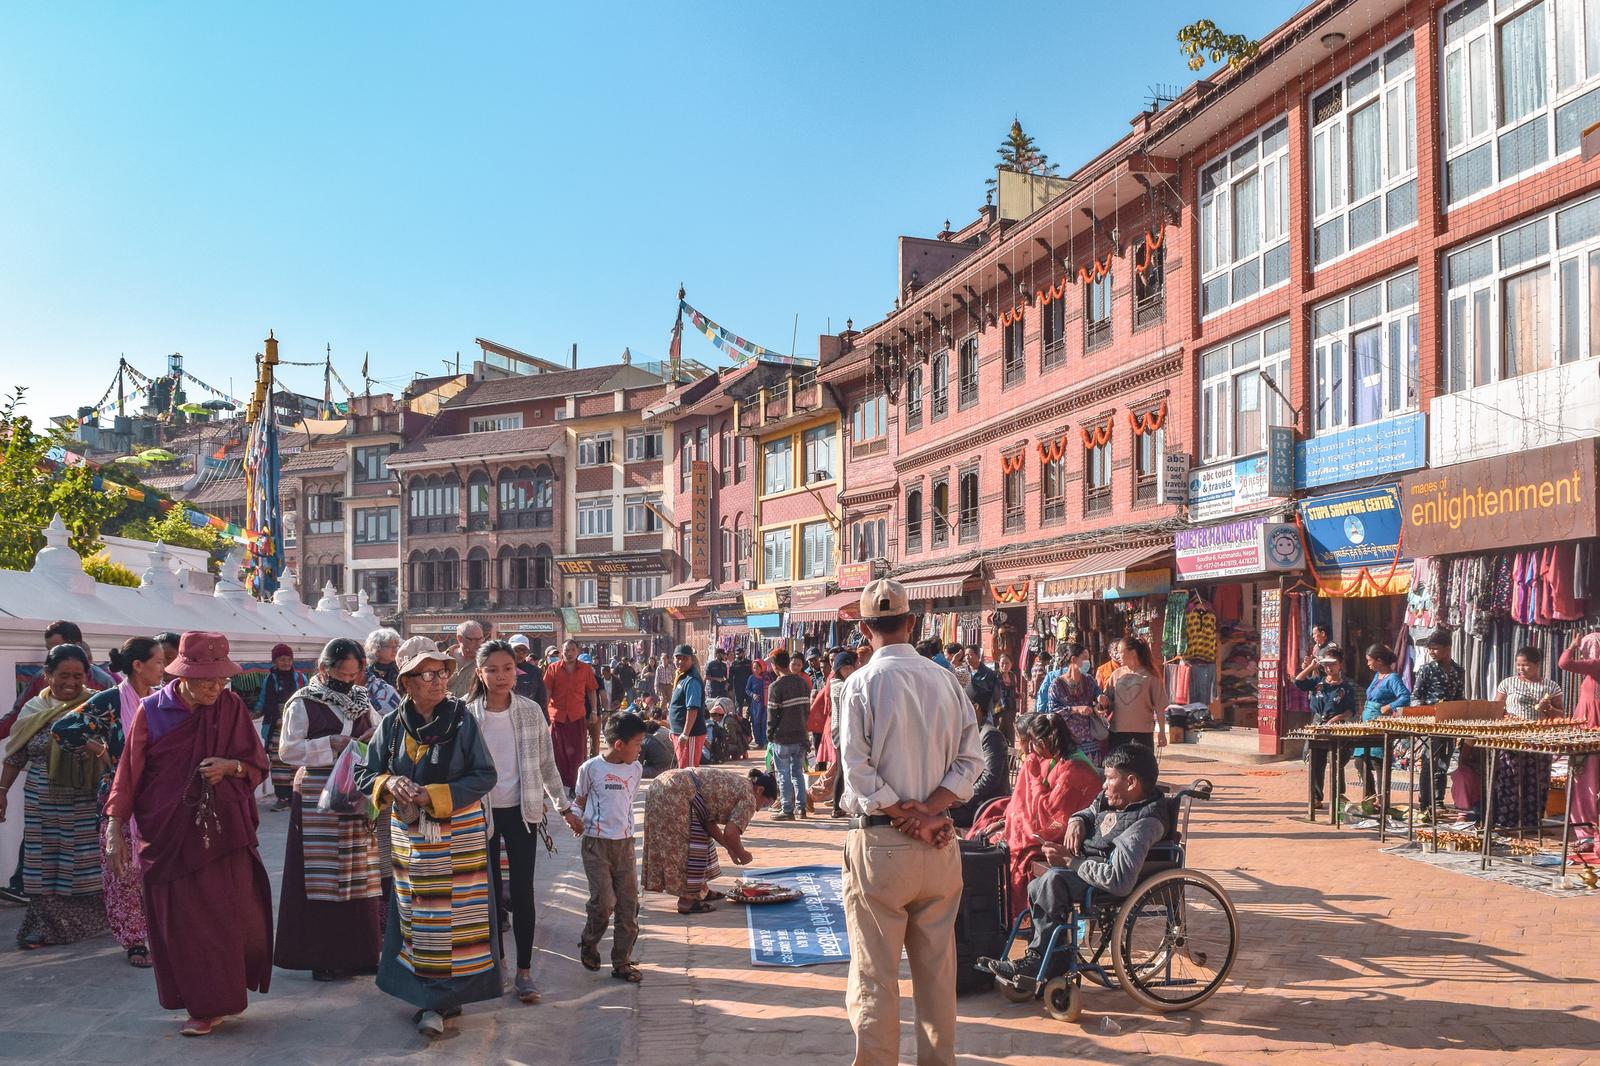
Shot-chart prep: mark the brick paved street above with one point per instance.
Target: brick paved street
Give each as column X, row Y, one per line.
column 1349, row 955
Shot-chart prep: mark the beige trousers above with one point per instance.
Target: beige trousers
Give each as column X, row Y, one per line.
column 901, row 893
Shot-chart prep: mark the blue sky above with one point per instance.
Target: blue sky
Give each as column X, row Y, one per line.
column 402, row 178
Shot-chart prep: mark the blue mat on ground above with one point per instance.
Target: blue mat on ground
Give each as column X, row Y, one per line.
column 808, row 931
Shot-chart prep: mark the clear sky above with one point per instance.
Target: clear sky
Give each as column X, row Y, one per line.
column 401, row 178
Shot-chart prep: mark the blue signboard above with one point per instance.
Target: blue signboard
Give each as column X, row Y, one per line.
column 803, row 932
column 1349, row 530
column 1391, row 446
column 764, row 621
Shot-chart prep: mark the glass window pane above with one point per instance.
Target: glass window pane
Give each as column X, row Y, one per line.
column 1526, row 338
column 1275, row 137
column 1275, row 266
column 1455, row 100
column 1478, row 86
column 1457, row 371
column 1271, row 211
column 1482, row 339
column 1524, row 147
column 1594, row 303
column 1575, row 116
column 1367, row 348
column 1591, row 36
column 1246, row 216
column 1522, row 59
column 1275, row 340
column 1363, row 82
column 1571, row 310
column 1569, row 44
column 1366, row 304
column 1247, row 426
column 1319, row 169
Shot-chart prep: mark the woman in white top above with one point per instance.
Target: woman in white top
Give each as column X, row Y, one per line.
column 518, row 737
column 1522, row 779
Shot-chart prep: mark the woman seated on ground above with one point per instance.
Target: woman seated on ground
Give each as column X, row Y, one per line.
column 1054, row 782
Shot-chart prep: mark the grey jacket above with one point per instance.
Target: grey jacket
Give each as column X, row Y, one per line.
column 537, row 775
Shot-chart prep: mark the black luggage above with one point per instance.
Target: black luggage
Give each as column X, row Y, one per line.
column 982, row 923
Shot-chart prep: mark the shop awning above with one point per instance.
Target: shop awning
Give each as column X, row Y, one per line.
column 828, row 609
column 1091, row 576
column 680, row 595
column 939, row 582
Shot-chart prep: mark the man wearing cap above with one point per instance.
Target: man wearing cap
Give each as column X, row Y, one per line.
column 469, row 638
column 574, row 692
column 1333, row 699
column 909, row 745
column 814, row 671
column 686, row 712
column 1440, row 679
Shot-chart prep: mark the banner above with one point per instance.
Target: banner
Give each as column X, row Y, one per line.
column 1353, row 542
column 700, row 520
column 733, row 345
column 808, row 931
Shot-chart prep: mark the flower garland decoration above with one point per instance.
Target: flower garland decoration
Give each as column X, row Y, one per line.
column 1013, row 314
column 1152, row 243
column 1098, row 269
column 1010, row 593
column 1010, row 464
column 1051, row 292
column 1148, row 422
column 1097, row 436
column 1052, row 451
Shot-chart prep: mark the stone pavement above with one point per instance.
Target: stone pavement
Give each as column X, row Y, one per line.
column 1348, row 956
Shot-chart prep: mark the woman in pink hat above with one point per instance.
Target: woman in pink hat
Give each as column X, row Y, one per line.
column 189, row 771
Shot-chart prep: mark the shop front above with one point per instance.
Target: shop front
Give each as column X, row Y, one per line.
column 1104, row 597
column 1222, row 632
column 763, row 612
column 948, row 601
column 608, row 632
column 1361, row 565
column 820, row 618
column 690, row 622
column 1506, row 556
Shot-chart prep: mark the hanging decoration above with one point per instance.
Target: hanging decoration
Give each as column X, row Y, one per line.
column 1010, row 464
column 1010, row 593
column 263, row 517
column 1052, row 451
column 1013, row 314
column 1152, row 244
column 734, row 346
column 1097, row 436
column 60, row 457
column 1098, row 269
column 1051, row 292
column 1149, row 421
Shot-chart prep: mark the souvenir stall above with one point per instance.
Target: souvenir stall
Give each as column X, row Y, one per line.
column 948, row 601
column 1105, row 597
column 818, row 619
column 1008, row 623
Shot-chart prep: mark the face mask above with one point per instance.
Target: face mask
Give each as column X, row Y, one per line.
column 1084, row 669
column 341, row 687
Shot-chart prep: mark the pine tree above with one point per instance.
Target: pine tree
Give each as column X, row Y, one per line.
column 1019, row 153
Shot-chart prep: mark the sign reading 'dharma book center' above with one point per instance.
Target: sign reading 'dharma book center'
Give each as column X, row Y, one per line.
column 1536, row 497
column 1391, row 446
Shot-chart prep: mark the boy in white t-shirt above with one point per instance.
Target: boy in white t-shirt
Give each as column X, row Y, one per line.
column 602, row 813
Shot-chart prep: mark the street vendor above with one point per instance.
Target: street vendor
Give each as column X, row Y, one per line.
column 1332, row 697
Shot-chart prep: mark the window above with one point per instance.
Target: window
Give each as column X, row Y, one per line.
column 641, row 590
column 434, row 579
column 479, row 493
column 818, row 444
column 1147, row 451
column 940, row 386
column 586, row 591
column 1244, row 220
column 869, row 426
column 702, row 443
column 728, row 560
column 324, row 513
column 1149, row 281
column 1517, row 80
column 686, row 462
column 525, row 574
column 939, row 513
column 1236, row 407
column 776, row 555
column 741, row 459
column 642, row 445
column 913, row 398
column 594, row 517
column 478, row 577
column 527, row 498
column 494, row 423
column 640, row 514
column 1053, row 491
column 816, row 558
column 594, row 449
column 1366, row 355
column 967, row 521
column 686, row 541
column 319, row 576
column 1364, row 154
column 372, row 463
column 747, row 548
column 381, row 586
column 725, row 456
column 777, row 466
column 967, row 373
column 1097, row 313
column 1016, row 487
column 434, row 504
column 1097, row 478
column 1053, row 327
column 1525, row 299
column 913, row 521
column 1015, row 364
column 378, row 525
column 868, row 540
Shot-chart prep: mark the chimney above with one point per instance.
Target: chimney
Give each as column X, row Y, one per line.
column 574, row 355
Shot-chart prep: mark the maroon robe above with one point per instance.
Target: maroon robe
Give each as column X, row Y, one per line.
column 209, row 905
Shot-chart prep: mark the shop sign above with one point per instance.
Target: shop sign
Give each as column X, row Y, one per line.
column 529, row 627
column 1255, row 545
column 1507, row 501
column 771, row 620
column 700, row 519
column 1227, row 489
column 1351, row 530
column 728, row 619
column 805, row 595
column 1140, row 583
column 857, row 575
column 1280, row 461
column 1391, row 446
column 613, row 565
column 600, row 619
column 761, row 601
column 1269, row 672
column 1174, row 484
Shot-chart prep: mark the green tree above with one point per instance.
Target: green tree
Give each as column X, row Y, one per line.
column 107, row 572
column 1203, row 40
column 174, row 528
column 1020, row 154
column 34, row 490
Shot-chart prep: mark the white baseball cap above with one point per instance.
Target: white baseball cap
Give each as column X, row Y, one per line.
column 884, row 598
column 520, row 641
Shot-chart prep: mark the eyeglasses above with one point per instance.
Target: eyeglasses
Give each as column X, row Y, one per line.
column 430, row 675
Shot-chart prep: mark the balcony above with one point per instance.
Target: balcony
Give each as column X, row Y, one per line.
column 1150, row 309
column 913, row 541
column 968, row 530
column 448, row 598
column 1097, row 501
column 478, row 522
column 1144, row 489
column 1014, row 520
column 523, row 598
column 1096, row 334
column 477, row 599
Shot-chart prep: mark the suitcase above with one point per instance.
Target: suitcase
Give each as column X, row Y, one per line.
column 982, row 923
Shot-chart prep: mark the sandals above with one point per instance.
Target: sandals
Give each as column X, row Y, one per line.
column 139, row 957
column 629, row 973
column 590, row 957
column 700, row 907
column 713, row 894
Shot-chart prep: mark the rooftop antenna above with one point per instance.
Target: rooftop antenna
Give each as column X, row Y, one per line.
column 1161, row 94
column 795, row 336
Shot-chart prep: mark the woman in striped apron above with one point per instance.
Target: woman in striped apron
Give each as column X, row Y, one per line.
column 430, row 759
column 687, row 813
column 330, row 906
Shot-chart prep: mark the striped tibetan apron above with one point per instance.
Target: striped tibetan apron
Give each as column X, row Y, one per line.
column 441, row 892
column 702, row 856
column 340, row 853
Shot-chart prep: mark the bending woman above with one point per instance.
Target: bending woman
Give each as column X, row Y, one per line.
column 687, row 813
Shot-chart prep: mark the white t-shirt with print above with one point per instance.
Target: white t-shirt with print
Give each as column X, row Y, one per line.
column 607, row 790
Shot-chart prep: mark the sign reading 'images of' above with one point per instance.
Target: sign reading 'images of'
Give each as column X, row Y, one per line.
column 1536, row 497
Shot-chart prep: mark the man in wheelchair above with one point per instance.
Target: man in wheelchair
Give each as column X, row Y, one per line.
column 1104, row 848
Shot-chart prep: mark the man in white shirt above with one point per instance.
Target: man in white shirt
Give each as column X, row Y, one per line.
column 910, row 750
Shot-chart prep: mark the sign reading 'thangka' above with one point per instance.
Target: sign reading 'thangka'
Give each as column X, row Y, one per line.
column 1507, row 501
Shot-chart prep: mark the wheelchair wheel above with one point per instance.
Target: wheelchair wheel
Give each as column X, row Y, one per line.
column 1175, row 940
column 1063, row 999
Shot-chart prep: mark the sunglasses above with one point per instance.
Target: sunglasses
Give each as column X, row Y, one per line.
column 430, row 675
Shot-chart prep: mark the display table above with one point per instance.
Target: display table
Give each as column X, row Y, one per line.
column 1337, row 738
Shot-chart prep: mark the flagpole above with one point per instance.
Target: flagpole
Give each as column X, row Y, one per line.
column 677, row 336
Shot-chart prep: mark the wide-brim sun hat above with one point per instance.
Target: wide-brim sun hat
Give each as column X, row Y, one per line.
column 416, row 652
column 203, row 655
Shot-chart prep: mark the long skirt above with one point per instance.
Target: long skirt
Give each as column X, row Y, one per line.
column 282, row 772
column 60, row 865
column 438, row 951
column 680, row 856
column 211, row 935
column 124, row 894
column 1521, row 783
column 330, row 903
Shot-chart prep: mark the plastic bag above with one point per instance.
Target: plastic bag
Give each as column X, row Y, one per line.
column 340, row 795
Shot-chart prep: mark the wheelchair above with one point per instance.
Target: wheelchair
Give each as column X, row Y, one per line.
column 1171, row 941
